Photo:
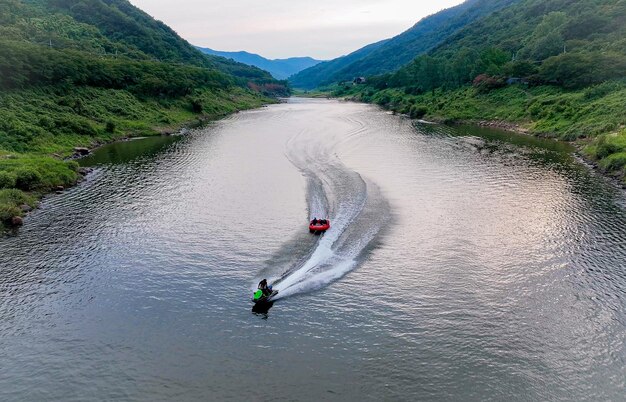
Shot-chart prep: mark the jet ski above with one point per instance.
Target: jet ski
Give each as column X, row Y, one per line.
column 259, row 297
column 319, row 225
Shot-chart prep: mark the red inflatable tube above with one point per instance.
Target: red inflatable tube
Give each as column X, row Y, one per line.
column 319, row 227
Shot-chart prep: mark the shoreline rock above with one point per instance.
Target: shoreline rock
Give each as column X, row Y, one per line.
column 84, row 171
column 503, row 125
column 81, row 151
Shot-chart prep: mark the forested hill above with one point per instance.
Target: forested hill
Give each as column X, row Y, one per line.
column 107, row 44
column 562, row 42
column 556, row 67
column 279, row 68
column 83, row 72
column 322, row 73
column 391, row 54
column 106, row 28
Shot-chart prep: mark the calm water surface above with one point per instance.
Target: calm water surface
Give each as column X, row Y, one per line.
column 463, row 264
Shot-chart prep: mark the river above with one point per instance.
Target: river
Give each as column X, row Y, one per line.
column 462, row 264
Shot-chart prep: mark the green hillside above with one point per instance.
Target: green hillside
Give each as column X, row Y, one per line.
column 563, row 42
column 321, row 73
column 84, row 72
column 557, row 67
column 390, row 55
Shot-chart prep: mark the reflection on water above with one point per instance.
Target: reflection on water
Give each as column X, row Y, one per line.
column 463, row 264
column 262, row 309
column 126, row 151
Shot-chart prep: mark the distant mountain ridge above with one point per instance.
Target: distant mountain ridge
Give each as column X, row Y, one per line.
column 391, row 54
column 279, row 68
column 324, row 72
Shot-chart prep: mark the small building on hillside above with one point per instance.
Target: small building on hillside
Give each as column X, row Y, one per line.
column 359, row 80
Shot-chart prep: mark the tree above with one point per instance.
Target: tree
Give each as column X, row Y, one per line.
column 550, row 45
column 520, row 68
column 547, row 37
column 569, row 70
column 491, row 61
column 462, row 65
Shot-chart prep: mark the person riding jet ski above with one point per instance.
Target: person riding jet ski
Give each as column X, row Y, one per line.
column 265, row 288
column 264, row 291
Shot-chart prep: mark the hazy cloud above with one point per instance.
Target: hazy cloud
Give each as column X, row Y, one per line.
column 282, row 28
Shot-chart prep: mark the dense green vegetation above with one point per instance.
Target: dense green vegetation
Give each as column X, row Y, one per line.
column 546, row 110
column 49, row 120
column 84, row 72
column 555, row 67
column 389, row 55
column 610, row 151
column 571, row 44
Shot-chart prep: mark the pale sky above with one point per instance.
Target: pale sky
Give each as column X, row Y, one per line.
column 323, row 29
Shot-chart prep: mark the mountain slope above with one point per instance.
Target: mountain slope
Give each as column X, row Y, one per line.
column 555, row 67
column 279, row 68
column 77, row 73
column 401, row 49
column 108, row 27
column 320, row 73
column 568, row 43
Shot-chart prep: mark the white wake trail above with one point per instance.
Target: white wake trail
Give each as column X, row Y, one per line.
column 356, row 209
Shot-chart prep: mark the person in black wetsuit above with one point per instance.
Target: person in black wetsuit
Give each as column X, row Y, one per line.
column 267, row 290
column 314, row 221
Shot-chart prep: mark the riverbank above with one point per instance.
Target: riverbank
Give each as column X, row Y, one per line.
column 592, row 119
column 42, row 129
column 612, row 146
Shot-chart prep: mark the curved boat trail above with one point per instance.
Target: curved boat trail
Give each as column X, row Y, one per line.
column 354, row 205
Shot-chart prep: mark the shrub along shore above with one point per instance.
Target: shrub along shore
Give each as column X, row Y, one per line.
column 592, row 118
column 43, row 126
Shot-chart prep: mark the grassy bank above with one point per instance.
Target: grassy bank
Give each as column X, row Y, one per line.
column 594, row 116
column 610, row 152
column 40, row 127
